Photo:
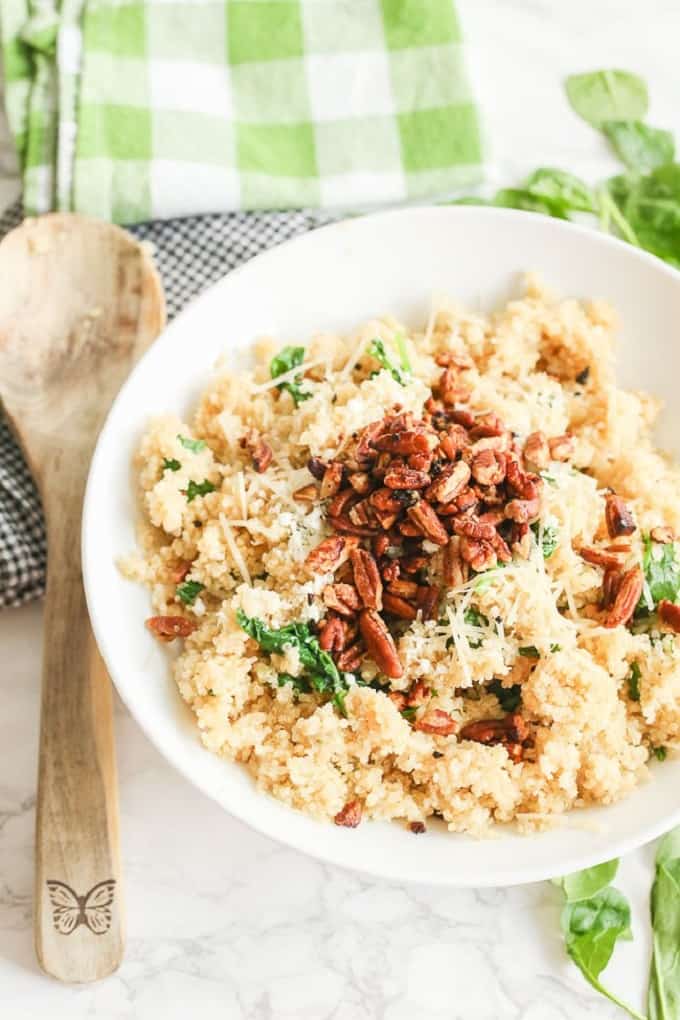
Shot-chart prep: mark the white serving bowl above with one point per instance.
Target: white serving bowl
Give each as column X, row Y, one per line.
column 334, row 278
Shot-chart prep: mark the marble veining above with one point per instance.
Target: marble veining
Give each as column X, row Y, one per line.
column 224, row 924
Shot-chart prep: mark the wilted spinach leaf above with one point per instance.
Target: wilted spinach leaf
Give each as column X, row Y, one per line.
column 188, row 591
column 639, row 146
column 287, row 359
column 377, row 350
column 633, row 680
column 509, row 698
column 662, row 572
column 598, row 96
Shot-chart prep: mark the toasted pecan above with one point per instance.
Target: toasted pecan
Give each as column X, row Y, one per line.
column 307, row 494
column 619, row 519
column 469, row 526
column 406, row 478
column 332, row 635
column 345, row 526
column 454, row 567
column 449, row 483
column 600, row 557
column 360, row 482
column 380, row 643
column 610, row 585
column 397, row 606
column 167, row 628
column 523, row 511
column 331, row 553
column 332, row 477
column 427, row 600
column 488, row 467
column 316, row 467
column 437, row 722
column 510, row 729
column 424, row 518
column 343, row 598
column 409, row 441
column 536, row 451
column 404, row 589
column 669, row 613
column 627, row 598
column 488, row 424
column 259, row 450
column 561, row 447
column 350, row 815
column 480, row 555
column 367, row 578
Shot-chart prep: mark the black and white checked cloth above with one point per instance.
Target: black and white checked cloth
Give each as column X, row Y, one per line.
column 190, row 253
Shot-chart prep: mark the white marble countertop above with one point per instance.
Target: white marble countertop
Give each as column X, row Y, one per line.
column 223, row 923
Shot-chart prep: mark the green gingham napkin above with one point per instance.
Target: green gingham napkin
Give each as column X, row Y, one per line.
column 140, row 110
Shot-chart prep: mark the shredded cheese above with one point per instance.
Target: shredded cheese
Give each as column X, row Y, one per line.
column 239, row 562
column 288, row 376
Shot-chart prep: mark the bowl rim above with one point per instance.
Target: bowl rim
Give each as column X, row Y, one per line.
column 246, row 810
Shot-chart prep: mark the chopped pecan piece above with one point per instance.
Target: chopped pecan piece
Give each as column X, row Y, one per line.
column 461, row 416
column 412, row 564
column 384, row 499
column 342, row 502
column 398, row 699
column 455, row 440
column 561, row 447
column 167, row 628
column 332, row 635
column 307, row 494
column 452, row 390
column 409, row 529
column 347, row 527
column 669, row 614
column 627, row 598
column 418, row 695
column 181, row 571
column 399, row 607
column 500, row 444
column 467, row 501
column 501, row 548
column 523, row 511
column 367, row 578
column 424, row 517
column 610, row 585
column 260, row 451
column 349, row 658
column 599, row 557
column 332, row 477
column 407, row 442
column 488, row 467
column 480, row 555
column 316, row 467
column 660, row 534
column 389, row 570
column 406, row 478
column 417, row 827
column 330, row 554
column 350, row 816
column 511, row 729
column 380, row 644
column 524, row 485
column 619, row 519
column 343, row 598
column 536, row 451
column 454, row 567
column 437, row 722
column 420, row 462
column 449, row 483
column 520, row 540
column 381, row 544
column 427, row 601
column 458, row 358
column 488, row 424
column 471, row 527
column 361, row 513
column 404, row 589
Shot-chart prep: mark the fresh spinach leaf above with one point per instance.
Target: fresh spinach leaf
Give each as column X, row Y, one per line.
column 509, row 698
column 581, row 885
column 320, row 673
column 188, row 591
column 409, row 713
column 195, row 489
column 550, row 539
column 599, row 96
column 663, row 1002
column 170, row 464
column 633, row 681
column 650, row 204
column 287, row 359
column 661, row 570
column 562, row 187
column 195, row 445
column 639, row 146
column 377, row 350
column 591, row 929
column 522, row 198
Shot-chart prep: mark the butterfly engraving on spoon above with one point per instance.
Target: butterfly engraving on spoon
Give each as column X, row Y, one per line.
column 93, row 910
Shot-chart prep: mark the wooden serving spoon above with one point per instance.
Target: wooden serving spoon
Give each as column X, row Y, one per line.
column 80, row 301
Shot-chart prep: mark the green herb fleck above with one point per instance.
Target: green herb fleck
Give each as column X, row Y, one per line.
column 662, row 574
column 195, row 445
column 633, row 681
column 287, row 359
column 549, row 478
column 170, row 464
column 473, row 618
column 550, row 538
column 509, row 698
column 188, row 591
column 660, row 753
column 377, row 350
column 195, row 489
column 211, row 692
column 409, row 713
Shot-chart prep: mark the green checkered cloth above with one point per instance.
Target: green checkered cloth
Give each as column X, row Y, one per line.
column 141, row 110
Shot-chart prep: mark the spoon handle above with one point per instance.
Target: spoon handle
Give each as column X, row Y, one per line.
column 78, row 895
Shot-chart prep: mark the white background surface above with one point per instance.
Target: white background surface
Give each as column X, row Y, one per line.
column 225, row 924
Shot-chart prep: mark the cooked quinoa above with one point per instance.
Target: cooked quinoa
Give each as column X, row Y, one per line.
column 484, row 639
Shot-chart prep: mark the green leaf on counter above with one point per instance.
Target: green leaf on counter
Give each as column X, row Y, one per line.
column 663, row 1001
column 599, row 96
column 642, row 148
